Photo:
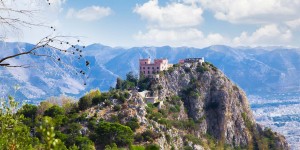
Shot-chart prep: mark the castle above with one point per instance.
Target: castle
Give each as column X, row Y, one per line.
column 149, row 69
column 152, row 70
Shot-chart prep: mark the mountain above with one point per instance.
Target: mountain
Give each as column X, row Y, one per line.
column 259, row 71
column 197, row 107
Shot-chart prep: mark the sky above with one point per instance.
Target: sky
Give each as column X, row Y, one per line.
column 192, row 23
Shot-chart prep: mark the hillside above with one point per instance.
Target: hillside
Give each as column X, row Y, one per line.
column 198, row 107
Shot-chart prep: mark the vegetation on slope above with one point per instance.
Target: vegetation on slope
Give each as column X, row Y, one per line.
column 109, row 121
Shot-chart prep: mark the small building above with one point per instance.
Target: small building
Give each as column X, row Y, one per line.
column 151, row 70
column 151, row 100
column 192, row 60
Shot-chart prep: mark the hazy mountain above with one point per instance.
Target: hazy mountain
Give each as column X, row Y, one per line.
column 258, row 71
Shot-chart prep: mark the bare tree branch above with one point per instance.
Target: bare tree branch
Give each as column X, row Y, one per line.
column 51, row 47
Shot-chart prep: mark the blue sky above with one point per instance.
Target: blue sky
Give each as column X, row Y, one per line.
column 195, row 23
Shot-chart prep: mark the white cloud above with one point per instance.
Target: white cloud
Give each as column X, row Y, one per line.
column 172, row 15
column 294, row 24
column 266, row 35
column 175, row 24
column 253, row 11
column 179, row 37
column 91, row 13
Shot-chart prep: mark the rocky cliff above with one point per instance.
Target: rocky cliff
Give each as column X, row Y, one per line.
column 198, row 107
column 219, row 107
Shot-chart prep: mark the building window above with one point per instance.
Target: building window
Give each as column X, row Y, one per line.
column 148, row 72
column 148, row 67
column 157, row 67
column 145, row 62
column 152, row 67
column 144, row 72
column 143, row 67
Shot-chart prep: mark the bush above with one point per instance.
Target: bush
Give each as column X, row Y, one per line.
column 117, row 107
column 54, row 111
column 175, row 109
column 138, row 137
column 109, row 133
column 187, row 69
column 137, row 147
column 86, row 101
column 187, row 148
column 133, row 125
column 171, row 69
column 192, row 138
column 97, row 100
column 176, row 65
column 152, row 147
column 29, row 111
column 149, row 135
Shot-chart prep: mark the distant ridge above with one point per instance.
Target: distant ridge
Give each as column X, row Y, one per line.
column 259, row 71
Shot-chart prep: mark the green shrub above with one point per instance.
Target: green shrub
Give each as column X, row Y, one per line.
column 138, row 137
column 193, row 139
column 28, row 110
column 188, row 148
column 171, row 69
column 187, row 69
column 149, row 135
column 117, row 107
column 152, row 147
column 84, row 103
column 133, row 124
column 168, row 138
column 109, row 133
column 175, row 109
column 137, row 147
column 176, row 65
column 54, row 111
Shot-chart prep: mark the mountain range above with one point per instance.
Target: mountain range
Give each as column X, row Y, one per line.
column 259, row 71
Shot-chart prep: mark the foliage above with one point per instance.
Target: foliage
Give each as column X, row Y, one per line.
column 46, row 129
column 109, row 133
column 29, row 111
column 133, row 124
column 149, row 135
column 86, row 101
column 187, row 69
column 193, row 138
column 152, row 147
column 54, row 111
column 137, row 147
column 119, row 83
column 117, row 107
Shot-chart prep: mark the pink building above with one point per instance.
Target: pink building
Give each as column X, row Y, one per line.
column 149, row 69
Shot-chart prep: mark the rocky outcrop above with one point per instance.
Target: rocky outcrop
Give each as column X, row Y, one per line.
column 199, row 108
column 220, row 106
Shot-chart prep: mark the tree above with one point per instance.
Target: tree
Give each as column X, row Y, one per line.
column 87, row 100
column 14, row 134
column 54, row 111
column 131, row 77
column 119, row 83
column 109, row 133
column 54, row 47
column 29, row 111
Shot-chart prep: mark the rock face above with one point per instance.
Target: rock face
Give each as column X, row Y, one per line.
column 218, row 105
